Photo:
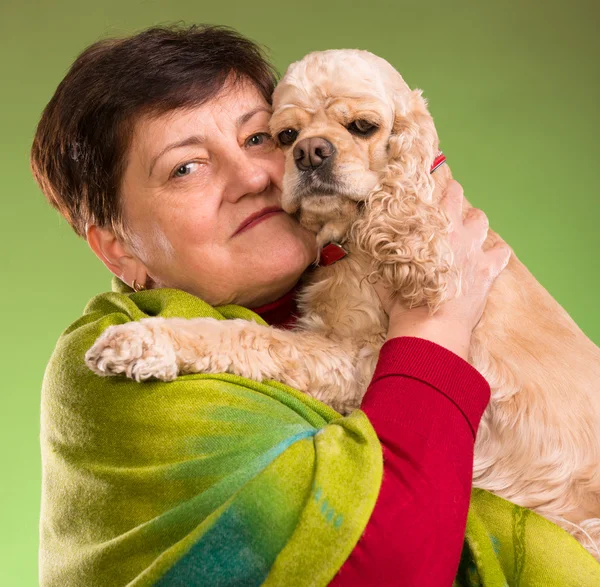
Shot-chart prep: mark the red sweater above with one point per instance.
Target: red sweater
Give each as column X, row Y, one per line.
column 425, row 403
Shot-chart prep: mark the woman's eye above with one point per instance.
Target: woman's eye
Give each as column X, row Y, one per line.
column 185, row 169
column 362, row 128
column 258, row 139
column 287, row 136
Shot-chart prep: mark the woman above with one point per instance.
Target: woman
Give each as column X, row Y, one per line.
column 156, row 149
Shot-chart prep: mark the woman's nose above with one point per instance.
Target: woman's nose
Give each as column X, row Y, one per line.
column 246, row 175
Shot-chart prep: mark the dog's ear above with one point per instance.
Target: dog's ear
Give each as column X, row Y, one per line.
column 413, row 144
column 401, row 229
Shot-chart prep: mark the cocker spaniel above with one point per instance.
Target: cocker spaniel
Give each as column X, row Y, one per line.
column 359, row 147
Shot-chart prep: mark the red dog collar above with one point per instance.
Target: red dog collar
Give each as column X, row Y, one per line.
column 333, row 252
column 439, row 160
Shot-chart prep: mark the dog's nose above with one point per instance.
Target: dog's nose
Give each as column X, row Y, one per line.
column 310, row 153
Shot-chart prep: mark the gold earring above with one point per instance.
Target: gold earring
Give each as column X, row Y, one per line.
column 137, row 286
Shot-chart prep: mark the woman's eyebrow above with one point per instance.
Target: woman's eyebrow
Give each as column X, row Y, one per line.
column 246, row 117
column 191, row 140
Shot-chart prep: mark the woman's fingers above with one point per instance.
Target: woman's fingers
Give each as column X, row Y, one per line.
column 478, row 268
column 452, row 202
column 477, row 223
column 498, row 257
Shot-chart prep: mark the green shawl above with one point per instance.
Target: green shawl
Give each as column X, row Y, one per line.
column 218, row 480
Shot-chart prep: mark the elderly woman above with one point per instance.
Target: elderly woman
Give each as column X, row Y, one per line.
column 156, row 149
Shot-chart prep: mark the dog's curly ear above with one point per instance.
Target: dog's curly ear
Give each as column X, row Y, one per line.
column 414, row 144
column 401, row 229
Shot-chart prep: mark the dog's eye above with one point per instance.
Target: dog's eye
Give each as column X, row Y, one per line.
column 287, row 136
column 362, row 128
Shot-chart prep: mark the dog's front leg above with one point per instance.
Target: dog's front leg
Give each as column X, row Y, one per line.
column 164, row 348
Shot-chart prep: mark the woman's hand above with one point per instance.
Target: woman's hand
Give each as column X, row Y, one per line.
column 451, row 326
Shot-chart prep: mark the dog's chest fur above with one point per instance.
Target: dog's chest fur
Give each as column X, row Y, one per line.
column 338, row 302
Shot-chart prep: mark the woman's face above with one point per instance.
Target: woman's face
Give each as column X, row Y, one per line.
column 193, row 179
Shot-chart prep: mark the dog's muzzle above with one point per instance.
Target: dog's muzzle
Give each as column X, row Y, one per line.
column 310, row 154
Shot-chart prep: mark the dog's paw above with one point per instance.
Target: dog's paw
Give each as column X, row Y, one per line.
column 137, row 349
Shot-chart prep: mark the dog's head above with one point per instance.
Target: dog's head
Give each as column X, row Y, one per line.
column 341, row 117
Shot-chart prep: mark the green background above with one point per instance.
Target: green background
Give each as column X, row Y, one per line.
column 513, row 87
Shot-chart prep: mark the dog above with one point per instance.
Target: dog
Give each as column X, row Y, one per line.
column 359, row 147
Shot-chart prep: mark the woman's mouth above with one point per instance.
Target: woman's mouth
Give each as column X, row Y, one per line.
column 257, row 218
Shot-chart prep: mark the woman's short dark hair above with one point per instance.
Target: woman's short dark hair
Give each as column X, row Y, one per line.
column 78, row 153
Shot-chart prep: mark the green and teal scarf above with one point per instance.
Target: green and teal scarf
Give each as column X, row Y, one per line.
column 217, row 480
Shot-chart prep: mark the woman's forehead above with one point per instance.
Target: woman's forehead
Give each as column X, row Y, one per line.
column 231, row 105
column 227, row 112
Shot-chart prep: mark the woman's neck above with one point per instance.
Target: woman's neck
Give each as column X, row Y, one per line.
column 282, row 311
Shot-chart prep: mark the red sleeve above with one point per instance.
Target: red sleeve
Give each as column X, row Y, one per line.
column 425, row 404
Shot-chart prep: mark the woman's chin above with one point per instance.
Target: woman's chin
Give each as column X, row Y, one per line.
column 258, row 265
column 277, row 262
column 279, row 241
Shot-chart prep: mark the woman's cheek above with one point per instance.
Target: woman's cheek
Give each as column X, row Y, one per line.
column 163, row 244
column 278, row 168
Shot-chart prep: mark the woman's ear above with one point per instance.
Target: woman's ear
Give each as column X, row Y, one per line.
column 118, row 258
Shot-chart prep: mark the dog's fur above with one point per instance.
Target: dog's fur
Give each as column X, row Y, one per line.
column 538, row 444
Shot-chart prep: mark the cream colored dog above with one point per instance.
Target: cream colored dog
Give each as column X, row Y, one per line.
column 359, row 146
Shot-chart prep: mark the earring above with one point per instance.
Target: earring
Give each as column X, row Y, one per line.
column 137, row 286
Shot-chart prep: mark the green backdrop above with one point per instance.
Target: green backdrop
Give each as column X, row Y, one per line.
column 513, row 87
